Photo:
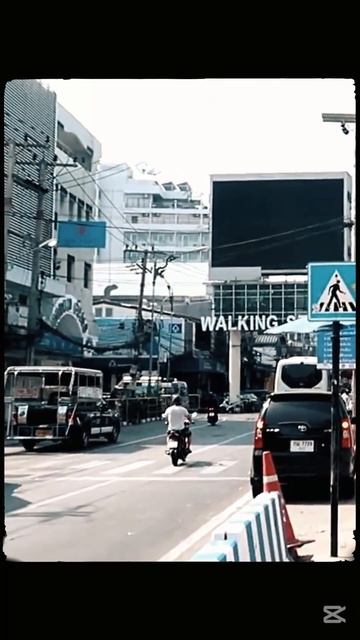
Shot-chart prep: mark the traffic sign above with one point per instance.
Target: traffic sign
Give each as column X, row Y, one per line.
column 331, row 291
column 175, row 327
column 347, row 348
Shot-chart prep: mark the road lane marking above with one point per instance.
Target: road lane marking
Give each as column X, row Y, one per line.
column 212, row 446
column 154, row 478
column 218, row 467
column 49, row 463
column 169, row 471
column 90, row 465
column 129, row 467
column 62, row 496
column 205, row 529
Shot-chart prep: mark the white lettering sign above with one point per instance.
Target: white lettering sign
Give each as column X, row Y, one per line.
column 245, row 323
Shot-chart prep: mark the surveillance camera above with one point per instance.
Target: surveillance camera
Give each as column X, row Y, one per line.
column 344, row 128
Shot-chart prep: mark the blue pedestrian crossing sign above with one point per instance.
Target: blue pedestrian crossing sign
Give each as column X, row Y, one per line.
column 331, row 291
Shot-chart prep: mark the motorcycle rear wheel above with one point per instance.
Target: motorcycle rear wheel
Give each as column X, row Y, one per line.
column 174, row 457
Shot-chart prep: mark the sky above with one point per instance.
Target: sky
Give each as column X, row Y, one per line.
column 189, row 129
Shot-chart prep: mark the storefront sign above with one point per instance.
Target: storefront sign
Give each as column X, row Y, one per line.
column 244, row 323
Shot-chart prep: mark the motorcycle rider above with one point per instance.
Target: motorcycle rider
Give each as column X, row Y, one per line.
column 176, row 415
column 212, row 403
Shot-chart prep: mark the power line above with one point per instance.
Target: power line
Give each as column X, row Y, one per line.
column 275, row 235
column 283, row 241
column 114, row 171
column 96, row 205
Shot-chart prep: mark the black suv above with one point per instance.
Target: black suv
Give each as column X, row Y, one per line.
column 296, row 428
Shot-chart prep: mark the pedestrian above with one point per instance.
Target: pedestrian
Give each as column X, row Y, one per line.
column 347, row 400
column 334, row 291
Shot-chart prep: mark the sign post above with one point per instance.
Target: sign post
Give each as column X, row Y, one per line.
column 331, row 291
column 335, row 439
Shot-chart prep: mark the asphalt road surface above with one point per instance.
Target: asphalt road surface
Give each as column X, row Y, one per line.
column 126, row 502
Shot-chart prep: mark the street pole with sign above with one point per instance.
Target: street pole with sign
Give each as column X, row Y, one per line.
column 331, row 298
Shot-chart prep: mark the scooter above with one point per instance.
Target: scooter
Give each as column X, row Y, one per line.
column 176, row 443
column 212, row 416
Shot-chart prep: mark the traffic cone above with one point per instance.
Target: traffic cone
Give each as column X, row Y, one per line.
column 271, row 483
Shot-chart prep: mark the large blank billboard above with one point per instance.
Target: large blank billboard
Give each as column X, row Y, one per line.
column 278, row 221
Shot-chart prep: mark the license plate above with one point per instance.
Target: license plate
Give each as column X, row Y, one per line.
column 211, row 414
column 173, row 444
column 302, row 445
column 40, row 433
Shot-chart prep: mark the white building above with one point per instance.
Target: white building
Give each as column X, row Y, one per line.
column 76, row 197
column 144, row 213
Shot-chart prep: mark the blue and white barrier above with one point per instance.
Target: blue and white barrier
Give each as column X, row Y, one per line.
column 254, row 533
column 218, row 551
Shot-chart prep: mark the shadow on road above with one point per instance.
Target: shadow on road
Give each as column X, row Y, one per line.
column 199, row 463
column 12, row 503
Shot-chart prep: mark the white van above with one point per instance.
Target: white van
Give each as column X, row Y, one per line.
column 301, row 372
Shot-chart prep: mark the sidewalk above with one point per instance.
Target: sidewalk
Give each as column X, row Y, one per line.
column 312, row 521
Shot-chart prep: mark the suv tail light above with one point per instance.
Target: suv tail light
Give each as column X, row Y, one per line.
column 70, row 414
column 258, row 439
column 345, row 434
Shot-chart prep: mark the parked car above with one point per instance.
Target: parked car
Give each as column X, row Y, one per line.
column 261, row 394
column 296, row 428
column 231, row 407
column 251, row 402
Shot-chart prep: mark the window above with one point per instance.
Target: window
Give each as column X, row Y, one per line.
column 135, row 201
column 55, row 219
column 298, row 376
column 87, row 275
column 134, row 219
column 72, row 201
column 22, row 299
column 98, row 312
column 80, row 209
column 70, row 267
column 88, row 212
column 305, row 409
column 63, row 195
column 108, row 312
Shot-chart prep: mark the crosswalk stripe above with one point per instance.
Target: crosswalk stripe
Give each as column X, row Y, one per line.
column 218, row 467
column 129, row 467
column 49, row 463
column 169, row 471
column 90, row 465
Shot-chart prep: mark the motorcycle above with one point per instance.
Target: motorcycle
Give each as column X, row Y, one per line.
column 176, row 443
column 212, row 416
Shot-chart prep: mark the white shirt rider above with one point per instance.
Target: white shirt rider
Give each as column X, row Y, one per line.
column 176, row 416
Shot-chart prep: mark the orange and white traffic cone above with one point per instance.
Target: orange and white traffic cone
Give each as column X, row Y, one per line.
column 271, row 483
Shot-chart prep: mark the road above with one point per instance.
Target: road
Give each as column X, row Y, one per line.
column 126, row 502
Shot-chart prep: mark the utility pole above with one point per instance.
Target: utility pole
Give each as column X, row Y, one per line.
column 8, row 210
column 171, row 296
column 11, row 157
column 140, row 319
column 155, row 274
column 35, row 267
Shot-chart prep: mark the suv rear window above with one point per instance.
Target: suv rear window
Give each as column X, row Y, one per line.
column 311, row 410
column 297, row 376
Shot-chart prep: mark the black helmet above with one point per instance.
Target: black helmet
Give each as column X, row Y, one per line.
column 176, row 400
